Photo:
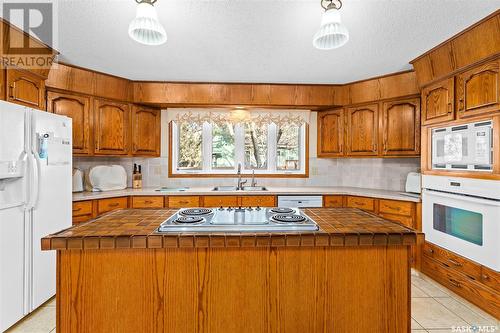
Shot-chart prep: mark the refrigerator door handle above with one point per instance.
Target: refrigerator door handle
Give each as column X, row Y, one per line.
column 34, row 182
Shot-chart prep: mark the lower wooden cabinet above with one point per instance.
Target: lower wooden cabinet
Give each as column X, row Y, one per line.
column 147, row 202
column 82, row 211
column 220, row 201
column 396, row 207
column 182, row 201
column 460, row 275
column 107, row 205
column 361, row 203
column 333, row 201
column 258, row 201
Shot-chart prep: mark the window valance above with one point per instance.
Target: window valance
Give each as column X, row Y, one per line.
column 238, row 116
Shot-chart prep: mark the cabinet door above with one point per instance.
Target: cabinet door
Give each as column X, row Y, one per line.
column 362, row 130
column 437, row 102
column 478, row 90
column 331, row 133
column 401, row 127
column 111, row 127
column 25, row 88
column 78, row 109
column 145, row 131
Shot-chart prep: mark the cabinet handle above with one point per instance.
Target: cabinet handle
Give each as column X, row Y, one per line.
column 486, row 277
column 359, row 203
column 77, row 209
column 449, row 108
column 456, row 263
column 114, row 204
column 183, row 202
column 11, row 91
column 455, row 283
column 341, row 147
column 148, row 201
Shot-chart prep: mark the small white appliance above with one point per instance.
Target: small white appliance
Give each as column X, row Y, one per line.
column 35, row 200
column 413, row 183
column 463, row 216
column 77, row 180
column 300, row 201
column 463, row 147
column 106, row 178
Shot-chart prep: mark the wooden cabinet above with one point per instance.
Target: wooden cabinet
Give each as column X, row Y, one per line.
column 258, row 201
column 395, row 207
column 401, row 127
column 183, row 201
column 333, row 201
column 331, row 133
column 25, row 88
column 78, row 109
column 220, row 201
column 145, row 131
column 147, row 201
column 478, row 90
column 362, row 130
column 82, row 211
column 438, row 102
column 111, row 127
column 459, row 263
column 107, row 205
column 361, row 203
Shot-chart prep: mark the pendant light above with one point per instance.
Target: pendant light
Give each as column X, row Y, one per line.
column 145, row 27
column 332, row 34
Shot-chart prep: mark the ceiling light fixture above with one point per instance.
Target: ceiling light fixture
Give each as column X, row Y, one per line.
column 145, row 27
column 332, row 34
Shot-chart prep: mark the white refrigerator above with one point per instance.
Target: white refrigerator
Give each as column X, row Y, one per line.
column 35, row 200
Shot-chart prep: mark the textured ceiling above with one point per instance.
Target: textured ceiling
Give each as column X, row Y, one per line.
column 259, row 41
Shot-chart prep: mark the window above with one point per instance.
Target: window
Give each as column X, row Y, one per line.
column 218, row 148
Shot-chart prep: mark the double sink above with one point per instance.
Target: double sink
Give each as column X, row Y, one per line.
column 234, row 188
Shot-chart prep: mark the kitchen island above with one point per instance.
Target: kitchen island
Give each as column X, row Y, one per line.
column 117, row 274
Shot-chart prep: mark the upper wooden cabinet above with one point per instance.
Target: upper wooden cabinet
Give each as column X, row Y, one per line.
column 478, row 90
column 145, row 131
column 331, row 133
column 438, row 102
column 78, row 109
column 111, row 127
column 401, row 127
column 25, row 88
column 362, row 130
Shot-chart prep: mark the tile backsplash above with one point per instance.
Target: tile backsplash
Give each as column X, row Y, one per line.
column 378, row 173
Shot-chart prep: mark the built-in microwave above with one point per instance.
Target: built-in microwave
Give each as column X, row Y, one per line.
column 463, row 147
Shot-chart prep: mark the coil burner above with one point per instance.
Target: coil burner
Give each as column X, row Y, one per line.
column 282, row 210
column 196, row 212
column 189, row 220
column 288, row 218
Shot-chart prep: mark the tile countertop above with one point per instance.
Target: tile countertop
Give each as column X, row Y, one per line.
column 304, row 190
column 136, row 228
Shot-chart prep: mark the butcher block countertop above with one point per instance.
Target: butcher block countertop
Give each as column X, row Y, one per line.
column 136, row 228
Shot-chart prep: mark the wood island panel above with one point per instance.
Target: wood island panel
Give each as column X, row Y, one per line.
column 272, row 289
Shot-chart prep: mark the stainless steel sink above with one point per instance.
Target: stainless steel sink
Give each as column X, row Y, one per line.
column 254, row 188
column 224, row 188
column 245, row 188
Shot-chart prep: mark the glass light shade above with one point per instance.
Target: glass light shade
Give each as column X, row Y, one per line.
column 145, row 27
column 332, row 33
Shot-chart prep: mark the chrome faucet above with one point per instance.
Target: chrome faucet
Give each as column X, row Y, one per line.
column 254, row 183
column 239, row 187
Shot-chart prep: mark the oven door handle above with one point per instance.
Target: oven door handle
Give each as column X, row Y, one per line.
column 489, row 202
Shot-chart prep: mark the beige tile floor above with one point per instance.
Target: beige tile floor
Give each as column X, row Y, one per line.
column 435, row 309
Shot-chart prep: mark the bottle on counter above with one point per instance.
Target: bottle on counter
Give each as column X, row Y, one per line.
column 137, row 177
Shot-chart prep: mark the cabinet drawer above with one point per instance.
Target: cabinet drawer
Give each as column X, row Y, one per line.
column 361, row 203
column 395, row 207
column 81, row 208
column 107, row 205
column 147, row 202
column 453, row 261
column 220, row 201
column 258, row 201
column 490, row 278
column 333, row 201
column 404, row 220
column 473, row 291
column 183, row 201
column 82, row 218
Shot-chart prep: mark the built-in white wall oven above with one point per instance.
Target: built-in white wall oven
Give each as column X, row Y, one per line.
column 463, row 215
column 463, row 147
